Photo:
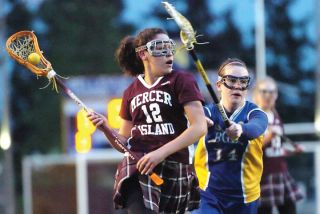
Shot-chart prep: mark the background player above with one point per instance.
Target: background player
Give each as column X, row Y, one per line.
column 277, row 186
column 228, row 161
column 154, row 110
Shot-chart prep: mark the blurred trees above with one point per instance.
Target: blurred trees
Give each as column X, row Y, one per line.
column 290, row 60
column 289, row 49
column 33, row 123
column 224, row 42
column 22, row 115
column 77, row 37
column 83, row 35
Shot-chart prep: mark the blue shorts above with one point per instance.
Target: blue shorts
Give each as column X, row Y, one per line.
column 213, row 205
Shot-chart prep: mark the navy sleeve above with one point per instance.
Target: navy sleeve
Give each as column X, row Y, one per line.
column 256, row 126
column 207, row 111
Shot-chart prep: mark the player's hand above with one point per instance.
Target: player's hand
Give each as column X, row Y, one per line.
column 234, row 131
column 147, row 163
column 299, row 148
column 209, row 122
column 98, row 120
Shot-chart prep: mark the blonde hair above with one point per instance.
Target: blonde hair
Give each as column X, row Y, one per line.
column 259, row 83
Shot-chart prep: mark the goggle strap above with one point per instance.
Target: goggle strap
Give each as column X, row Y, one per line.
column 141, row 48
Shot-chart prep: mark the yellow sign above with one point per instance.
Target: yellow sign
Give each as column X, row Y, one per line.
column 114, row 119
column 83, row 142
column 83, row 123
column 85, row 128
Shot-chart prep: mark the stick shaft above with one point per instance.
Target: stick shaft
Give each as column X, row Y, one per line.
column 288, row 140
column 209, row 87
column 68, row 92
column 108, row 132
column 110, row 135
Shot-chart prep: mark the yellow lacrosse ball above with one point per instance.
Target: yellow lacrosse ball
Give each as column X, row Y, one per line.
column 34, row 58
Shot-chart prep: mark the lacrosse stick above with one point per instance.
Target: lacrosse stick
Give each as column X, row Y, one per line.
column 290, row 145
column 20, row 45
column 188, row 38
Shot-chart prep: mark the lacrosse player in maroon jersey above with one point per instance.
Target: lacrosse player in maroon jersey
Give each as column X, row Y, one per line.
column 278, row 188
column 162, row 116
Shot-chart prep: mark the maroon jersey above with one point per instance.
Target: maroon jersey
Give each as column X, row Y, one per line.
column 157, row 111
column 273, row 158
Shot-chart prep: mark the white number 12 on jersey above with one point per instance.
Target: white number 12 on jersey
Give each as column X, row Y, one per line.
column 155, row 112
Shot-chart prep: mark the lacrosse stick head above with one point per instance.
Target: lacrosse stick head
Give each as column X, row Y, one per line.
column 187, row 34
column 20, row 45
column 188, row 38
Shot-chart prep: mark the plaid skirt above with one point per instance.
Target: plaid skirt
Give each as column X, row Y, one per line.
column 178, row 194
column 277, row 188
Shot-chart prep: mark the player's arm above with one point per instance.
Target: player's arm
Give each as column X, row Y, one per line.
column 207, row 114
column 268, row 137
column 196, row 129
column 125, row 129
column 112, row 135
column 256, row 125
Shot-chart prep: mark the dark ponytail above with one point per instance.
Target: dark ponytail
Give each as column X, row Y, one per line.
column 126, row 55
column 127, row 58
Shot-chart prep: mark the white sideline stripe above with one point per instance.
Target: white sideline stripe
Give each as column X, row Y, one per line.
column 317, row 177
column 27, row 185
column 82, row 184
column 299, row 128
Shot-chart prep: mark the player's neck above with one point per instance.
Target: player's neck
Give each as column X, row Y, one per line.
column 268, row 110
column 231, row 107
column 149, row 77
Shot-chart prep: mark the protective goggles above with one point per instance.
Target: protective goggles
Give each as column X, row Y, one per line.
column 159, row 47
column 266, row 92
column 235, row 83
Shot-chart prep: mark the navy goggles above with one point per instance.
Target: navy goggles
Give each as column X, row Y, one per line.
column 235, row 83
